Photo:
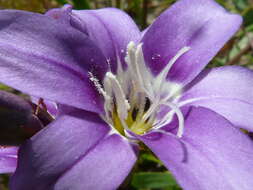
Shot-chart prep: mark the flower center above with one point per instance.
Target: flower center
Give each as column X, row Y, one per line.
column 135, row 99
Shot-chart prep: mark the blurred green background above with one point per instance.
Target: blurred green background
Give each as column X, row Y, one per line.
column 149, row 173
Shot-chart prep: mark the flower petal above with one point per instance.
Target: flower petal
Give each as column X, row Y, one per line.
column 202, row 25
column 49, row 59
column 212, row 154
column 56, row 148
column 105, row 167
column 61, row 14
column 226, row 90
column 8, row 159
column 110, row 29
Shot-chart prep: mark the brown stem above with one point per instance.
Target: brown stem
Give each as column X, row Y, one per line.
column 237, row 58
column 144, row 13
column 96, row 4
column 118, row 4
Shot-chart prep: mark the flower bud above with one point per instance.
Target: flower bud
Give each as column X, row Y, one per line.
column 17, row 119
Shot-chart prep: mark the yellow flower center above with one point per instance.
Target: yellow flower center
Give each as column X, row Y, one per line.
column 134, row 121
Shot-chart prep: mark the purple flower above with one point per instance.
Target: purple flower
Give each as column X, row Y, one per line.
column 115, row 86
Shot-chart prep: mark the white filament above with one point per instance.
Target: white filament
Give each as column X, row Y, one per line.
column 130, row 88
column 180, row 118
column 161, row 78
column 158, row 100
column 166, row 70
column 151, row 110
column 120, row 98
column 136, row 68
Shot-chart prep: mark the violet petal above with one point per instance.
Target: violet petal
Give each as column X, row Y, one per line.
column 226, row 90
column 110, row 29
column 212, row 154
column 56, row 148
column 49, row 59
column 105, row 167
column 203, row 25
column 8, row 159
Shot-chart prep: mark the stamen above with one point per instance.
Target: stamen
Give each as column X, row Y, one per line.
column 151, row 110
column 161, row 78
column 180, row 117
column 165, row 71
column 141, row 103
column 133, row 96
column 159, row 81
column 144, row 73
column 133, row 67
column 165, row 120
column 121, row 101
column 122, row 77
column 174, row 91
column 107, row 97
column 96, row 83
column 140, row 74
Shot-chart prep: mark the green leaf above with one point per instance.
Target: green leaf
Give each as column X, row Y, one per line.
column 150, row 157
column 247, row 17
column 153, row 180
column 62, row 2
column 222, row 2
column 241, row 4
column 249, row 28
column 5, row 88
column 4, row 181
column 81, row 4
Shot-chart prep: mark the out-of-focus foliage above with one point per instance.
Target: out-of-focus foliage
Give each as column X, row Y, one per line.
column 149, row 173
column 81, row 4
column 29, row 5
column 155, row 180
column 4, row 182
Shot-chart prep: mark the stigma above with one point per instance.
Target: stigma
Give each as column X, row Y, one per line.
column 135, row 100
